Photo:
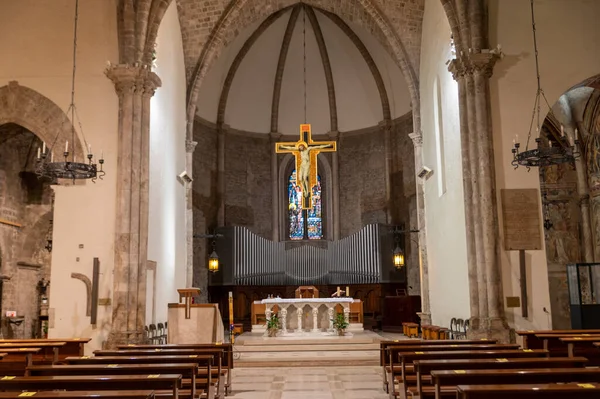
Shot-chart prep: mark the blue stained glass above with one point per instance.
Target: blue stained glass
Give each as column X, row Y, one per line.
column 296, row 216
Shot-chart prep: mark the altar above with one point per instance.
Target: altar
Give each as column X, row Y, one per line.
column 302, row 316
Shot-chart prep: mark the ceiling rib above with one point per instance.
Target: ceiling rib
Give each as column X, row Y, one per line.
column 238, row 61
column 326, row 66
column 285, row 46
column 385, row 102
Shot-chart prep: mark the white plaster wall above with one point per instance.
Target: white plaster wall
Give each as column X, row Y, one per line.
column 568, row 41
column 166, row 236
column 36, row 48
column 445, row 220
column 250, row 97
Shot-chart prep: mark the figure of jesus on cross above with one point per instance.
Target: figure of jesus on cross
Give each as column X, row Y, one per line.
column 306, row 150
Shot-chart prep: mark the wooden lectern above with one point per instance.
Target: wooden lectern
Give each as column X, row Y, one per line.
column 307, row 291
column 187, row 294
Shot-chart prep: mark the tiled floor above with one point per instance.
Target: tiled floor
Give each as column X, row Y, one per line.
column 308, row 382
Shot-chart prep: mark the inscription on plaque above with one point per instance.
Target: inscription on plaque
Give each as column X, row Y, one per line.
column 521, row 214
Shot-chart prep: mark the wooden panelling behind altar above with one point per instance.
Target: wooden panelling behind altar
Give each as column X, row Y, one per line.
column 372, row 297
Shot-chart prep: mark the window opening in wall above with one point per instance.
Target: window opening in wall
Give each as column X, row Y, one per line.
column 439, row 137
column 303, row 225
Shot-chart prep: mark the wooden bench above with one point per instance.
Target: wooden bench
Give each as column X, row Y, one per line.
column 81, row 395
column 423, row 368
column 410, row 329
column 537, row 391
column 203, row 381
column 583, row 345
column 384, row 357
column 72, row 347
column 48, row 350
column 409, row 357
column 226, row 362
column 530, row 341
column 188, row 371
column 216, row 352
column 446, row 381
column 16, row 360
column 156, row 382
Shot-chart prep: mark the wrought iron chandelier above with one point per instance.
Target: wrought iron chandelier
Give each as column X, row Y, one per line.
column 563, row 150
column 68, row 167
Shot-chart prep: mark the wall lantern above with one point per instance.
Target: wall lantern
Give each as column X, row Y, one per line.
column 213, row 258
column 398, row 257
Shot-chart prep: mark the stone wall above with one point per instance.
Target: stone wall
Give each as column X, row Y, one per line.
column 248, row 194
column 205, row 199
column 23, row 259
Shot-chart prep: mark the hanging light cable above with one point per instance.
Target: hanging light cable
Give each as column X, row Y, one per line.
column 69, row 168
column 566, row 149
column 304, row 60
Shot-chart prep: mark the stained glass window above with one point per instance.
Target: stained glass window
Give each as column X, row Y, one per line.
column 312, row 227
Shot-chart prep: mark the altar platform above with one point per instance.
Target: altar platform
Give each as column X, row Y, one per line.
column 256, row 350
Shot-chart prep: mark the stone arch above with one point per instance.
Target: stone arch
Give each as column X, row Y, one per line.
column 234, row 20
column 38, row 114
column 324, row 167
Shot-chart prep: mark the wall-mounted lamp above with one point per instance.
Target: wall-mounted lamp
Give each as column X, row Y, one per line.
column 398, row 257
column 213, row 258
column 398, row 254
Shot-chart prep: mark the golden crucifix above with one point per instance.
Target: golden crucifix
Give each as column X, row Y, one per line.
column 306, row 150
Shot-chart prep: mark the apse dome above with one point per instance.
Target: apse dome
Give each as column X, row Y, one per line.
column 266, row 62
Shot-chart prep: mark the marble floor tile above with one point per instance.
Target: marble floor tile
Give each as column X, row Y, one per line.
column 308, row 382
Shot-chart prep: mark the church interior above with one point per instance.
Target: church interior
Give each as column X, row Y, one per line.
column 278, row 199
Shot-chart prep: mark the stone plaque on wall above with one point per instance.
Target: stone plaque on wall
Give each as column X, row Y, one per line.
column 521, row 215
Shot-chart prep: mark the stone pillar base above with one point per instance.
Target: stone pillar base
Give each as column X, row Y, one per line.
column 425, row 318
column 125, row 337
column 488, row 328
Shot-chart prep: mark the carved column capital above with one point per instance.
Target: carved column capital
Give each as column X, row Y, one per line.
column 474, row 64
column 128, row 78
column 190, row 146
column 417, row 139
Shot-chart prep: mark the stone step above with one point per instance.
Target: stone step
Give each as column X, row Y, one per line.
column 306, row 347
column 289, row 341
column 308, row 363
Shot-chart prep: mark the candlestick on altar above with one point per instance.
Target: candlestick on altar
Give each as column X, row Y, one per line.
column 347, row 291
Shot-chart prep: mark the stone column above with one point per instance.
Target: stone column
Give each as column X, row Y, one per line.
column 584, row 207
column 330, row 312
column 135, row 85
column 315, row 312
column 275, row 137
column 284, row 320
column 299, row 312
column 335, row 186
column 425, row 313
column 473, row 71
column 190, row 146
column 386, row 125
column 221, row 175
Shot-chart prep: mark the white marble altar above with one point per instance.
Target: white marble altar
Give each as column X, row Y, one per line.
column 306, row 315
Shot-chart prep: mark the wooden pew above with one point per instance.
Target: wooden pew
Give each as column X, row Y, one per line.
column 446, row 381
column 530, row 341
column 203, row 362
column 188, row 371
column 409, row 357
column 423, row 368
column 16, row 361
column 48, row 350
column 81, row 395
column 383, row 345
column 393, row 351
column 217, row 352
column 73, row 346
column 170, row 382
column 583, row 344
column 227, row 360
column 537, row 391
